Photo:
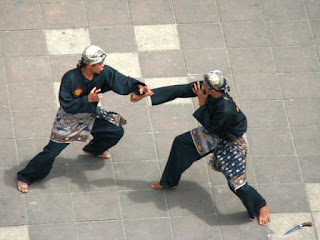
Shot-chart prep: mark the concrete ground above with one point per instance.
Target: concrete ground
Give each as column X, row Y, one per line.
column 269, row 51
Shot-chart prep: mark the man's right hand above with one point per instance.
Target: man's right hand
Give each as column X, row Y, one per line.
column 95, row 95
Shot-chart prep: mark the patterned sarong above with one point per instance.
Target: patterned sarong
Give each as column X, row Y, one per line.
column 203, row 140
column 229, row 157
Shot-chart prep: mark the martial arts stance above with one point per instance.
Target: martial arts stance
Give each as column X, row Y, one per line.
column 222, row 134
column 80, row 91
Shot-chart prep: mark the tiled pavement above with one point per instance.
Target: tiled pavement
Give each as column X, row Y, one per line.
column 269, row 51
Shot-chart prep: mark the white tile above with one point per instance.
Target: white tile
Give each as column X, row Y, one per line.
column 56, row 87
column 14, row 232
column 157, row 37
column 67, row 41
column 125, row 63
column 313, row 192
column 283, row 222
column 162, row 82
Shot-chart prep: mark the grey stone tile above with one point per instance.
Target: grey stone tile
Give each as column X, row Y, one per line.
column 310, row 167
column 60, row 64
column 8, row 158
column 14, row 43
column 204, row 60
column 238, row 227
column 151, row 12
column 4, row 106
column 136, row 175
column 265, row 113
column 277, row 169
column 108, row 13
column 6, row 127
column 143, row 204
column 201, row 35
column 99, row 230
column 14, row 232
column 315, row 27
column 178, row 118
column 67, row 15
column 289, row 82
column 59, row 1
column 257, row 86
column 29, row 17
column 57, row 208
column 145, row 229
column 53, row 231
column 162, row 64
column 196, row 227
column 2, row 69
column 249, row 34
column 13, row 215
column 202, row 11
column 270, row 141
column 251, row 60
column 94, row 176
column 26, row 123
column 114, row 39
column 137, row 118
column 111, row 99
column 31, row 96
column 303, row 112
column 313, row 8
column 144, row 150
column 14, row 2
column 283, row 10
column 240, row 11
column 164, row 142
column 290, row 33
column 8, row 187
column 185, row 202
column 95, row 206
column 306, row 139
column 295, row 59
column 285, row 198
column 313, row 190
column 28, row 69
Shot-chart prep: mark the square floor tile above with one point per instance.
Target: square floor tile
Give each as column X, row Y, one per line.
column 143, row 204
column 2, row 70
column 162, row 64
column 295, row 59
column 240, row 11
column 14, row 232
column 313, row 8
column 49, row 232
column 157, row 37
column 201, row 35
column 313, row 191
column 315, row 27
column 95, row 206
column 251, row 34
column 9, row 185
column 306, row 139
column 99, row 230
column 111, row 99
column 303, row 112
column 6, row 126
column 60, row 64
column 29, row 17
column 163, row 82
column 151, row 12
column 67, row 41
column 295, row 33
column 202, row 11
column 310, row 167
column 316, row 217
column 251, row 60
column 114, row 39
column 8, row 158
column 145, row 229
column 13, row 215
column 125, row 63
column 4, row 106
column 67, row 15
column 283, row 10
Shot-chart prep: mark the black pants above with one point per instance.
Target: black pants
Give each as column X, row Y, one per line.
column 105, row 136
column 183, row 153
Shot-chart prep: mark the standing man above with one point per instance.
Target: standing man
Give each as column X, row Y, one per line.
column 222, row 133
column 80, row 91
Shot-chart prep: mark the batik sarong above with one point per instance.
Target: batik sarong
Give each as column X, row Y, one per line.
column 203, row 140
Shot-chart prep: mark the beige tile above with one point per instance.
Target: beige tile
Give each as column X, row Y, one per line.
column 316, row 217
column 14, row 232
column 125, row 63
column 67, row 41
column 161, row 82
column 56, row 88
column 157, row 37
column 313, row 192
column 283, row 222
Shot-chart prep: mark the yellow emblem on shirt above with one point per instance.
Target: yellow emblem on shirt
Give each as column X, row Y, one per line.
column 78, row 92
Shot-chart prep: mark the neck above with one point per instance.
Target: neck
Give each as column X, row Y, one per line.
column 217, row 94
column 87, row 73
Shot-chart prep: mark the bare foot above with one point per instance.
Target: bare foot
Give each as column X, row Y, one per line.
column 264, row 216
column 157, row 186
column 22, row 186
column 104, row 155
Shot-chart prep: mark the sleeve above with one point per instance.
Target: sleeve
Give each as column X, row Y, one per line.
column 69, row 103
column 211, row 123
column 169, row 93
column 119, row 83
